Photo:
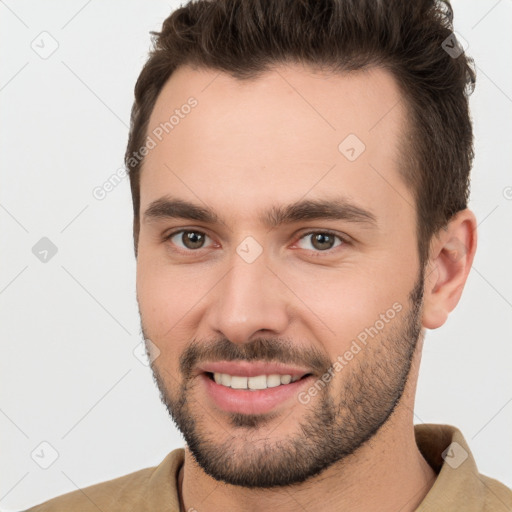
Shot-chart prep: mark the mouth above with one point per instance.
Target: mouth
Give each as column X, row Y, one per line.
column 252, row 387
column 255, row 383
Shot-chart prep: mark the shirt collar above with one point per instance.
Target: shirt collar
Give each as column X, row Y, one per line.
column 458, row 481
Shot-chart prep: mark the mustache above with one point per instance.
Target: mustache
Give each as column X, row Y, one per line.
column 260, row 349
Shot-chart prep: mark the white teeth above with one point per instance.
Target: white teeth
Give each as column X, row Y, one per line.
column 258, row 382
column 273, row 381
column 286, row 379
column 238, row 382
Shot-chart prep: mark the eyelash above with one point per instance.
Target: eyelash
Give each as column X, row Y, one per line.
column 344, row 240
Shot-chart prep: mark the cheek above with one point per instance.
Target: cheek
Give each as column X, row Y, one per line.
column 341, row 303
column 161, row 310
column 170, row 297
column 159, row 295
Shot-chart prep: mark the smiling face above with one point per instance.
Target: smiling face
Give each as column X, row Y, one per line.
column 277, row 251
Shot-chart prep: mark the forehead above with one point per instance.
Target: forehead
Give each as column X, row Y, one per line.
column 290, row 133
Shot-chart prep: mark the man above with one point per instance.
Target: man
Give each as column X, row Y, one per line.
column 300, row 173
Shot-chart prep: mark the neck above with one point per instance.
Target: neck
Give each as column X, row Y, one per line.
column 387, row 473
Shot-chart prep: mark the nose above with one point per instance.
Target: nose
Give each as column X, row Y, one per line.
column 249, row 301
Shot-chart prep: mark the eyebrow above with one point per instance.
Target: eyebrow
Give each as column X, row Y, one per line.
column 304, row 210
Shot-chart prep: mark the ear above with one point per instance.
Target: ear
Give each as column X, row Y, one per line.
column 452, row 251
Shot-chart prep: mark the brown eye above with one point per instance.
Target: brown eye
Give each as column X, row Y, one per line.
column 188, row 239
column 321, row 240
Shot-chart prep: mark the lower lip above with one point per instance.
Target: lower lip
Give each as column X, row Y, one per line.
column 251, row 402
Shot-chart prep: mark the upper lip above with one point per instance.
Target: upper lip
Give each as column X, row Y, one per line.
column 252, row 369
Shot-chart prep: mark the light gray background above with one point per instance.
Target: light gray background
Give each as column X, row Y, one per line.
column 69, row 326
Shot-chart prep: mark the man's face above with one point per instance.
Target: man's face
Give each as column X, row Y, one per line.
column 268, row 287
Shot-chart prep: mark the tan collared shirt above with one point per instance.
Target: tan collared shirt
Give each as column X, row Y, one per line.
column 458, row 487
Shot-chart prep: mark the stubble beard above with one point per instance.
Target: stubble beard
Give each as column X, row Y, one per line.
column 240, row 453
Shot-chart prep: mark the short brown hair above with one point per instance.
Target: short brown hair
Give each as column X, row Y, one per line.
column 245, row 38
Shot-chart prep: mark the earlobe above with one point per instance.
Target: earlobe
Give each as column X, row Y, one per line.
column 451, row 255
